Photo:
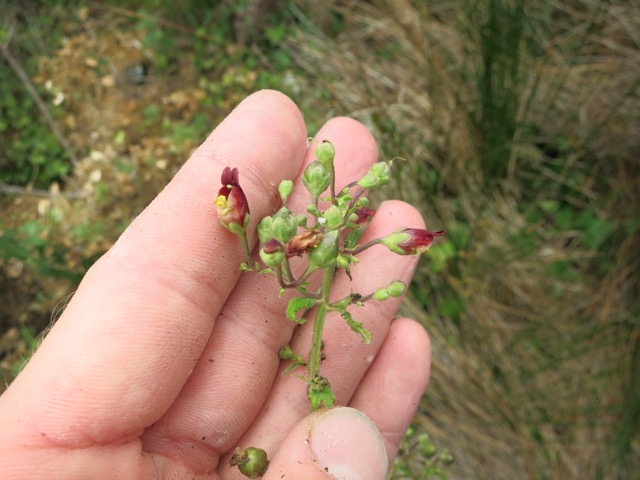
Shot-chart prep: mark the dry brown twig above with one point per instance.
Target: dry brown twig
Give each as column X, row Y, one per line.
column 42, row 107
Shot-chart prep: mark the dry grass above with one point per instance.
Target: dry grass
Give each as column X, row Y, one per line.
column 532, row 380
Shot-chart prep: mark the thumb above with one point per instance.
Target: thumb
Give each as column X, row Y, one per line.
column 341, row 444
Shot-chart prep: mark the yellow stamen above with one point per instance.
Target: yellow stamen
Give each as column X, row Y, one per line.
column 221, row 201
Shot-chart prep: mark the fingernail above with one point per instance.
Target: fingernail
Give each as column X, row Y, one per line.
column 346, row 444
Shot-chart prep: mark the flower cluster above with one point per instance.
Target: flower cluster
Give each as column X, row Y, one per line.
column 327, row 238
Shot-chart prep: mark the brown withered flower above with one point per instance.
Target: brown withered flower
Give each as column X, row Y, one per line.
column 302, row 242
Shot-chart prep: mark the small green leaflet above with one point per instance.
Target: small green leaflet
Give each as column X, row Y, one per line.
column 295, row 305
column 357, row 327
column 320, row 394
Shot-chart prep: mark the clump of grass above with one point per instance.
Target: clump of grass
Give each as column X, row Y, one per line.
column 519, row 123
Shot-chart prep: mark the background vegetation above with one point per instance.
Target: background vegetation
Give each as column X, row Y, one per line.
column 519, row 122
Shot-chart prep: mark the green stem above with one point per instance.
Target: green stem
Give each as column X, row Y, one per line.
column 286, row 269
column 332, row 185
column 245, row 247
column 361, row 248
column 313, row 365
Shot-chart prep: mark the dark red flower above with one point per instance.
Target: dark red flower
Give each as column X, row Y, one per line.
column 410, row 241
column 363, row 215
column 233, row 208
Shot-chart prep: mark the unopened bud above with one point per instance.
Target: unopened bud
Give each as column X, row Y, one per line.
column 380, row 294
column 272, row 253
column 316, row 179
column 379, row 174
column 445, row 457
column 342, row 261
column 264, row 229
column 362, row 202
column 284, row 189
column 333, row 217
column 284, row 225
column 285, row 353
column 325, row 154
column 396, row 289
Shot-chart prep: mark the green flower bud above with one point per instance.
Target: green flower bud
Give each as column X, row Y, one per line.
column 342, row 261
column 272, row 253
column 396, row 289
column 379, row 174
column 428, row 450
column 284, row 189
column 325, row 154
column 380, row 294
column 313, row 210
column 284, row 225
column 252, row 462
column 326, row 252
column 362, row 202
column 285, row 353
column 316, row 179
column 280, row 229
column 445, row 457
column 264, row 229
column 333, row 217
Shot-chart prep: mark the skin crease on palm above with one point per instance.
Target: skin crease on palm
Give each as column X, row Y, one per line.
column 166, row 358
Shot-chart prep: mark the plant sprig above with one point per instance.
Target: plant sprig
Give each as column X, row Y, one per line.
column 328, row 238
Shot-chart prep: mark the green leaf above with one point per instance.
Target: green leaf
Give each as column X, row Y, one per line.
column 295, row 305
column 357, row 327
column 320, row 394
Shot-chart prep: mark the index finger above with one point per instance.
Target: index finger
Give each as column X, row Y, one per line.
column 122, row 350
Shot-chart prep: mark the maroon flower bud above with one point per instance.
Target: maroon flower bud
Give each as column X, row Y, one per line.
column 272, row 253
column 410, row 241
column 363, row 215
column 233, row 208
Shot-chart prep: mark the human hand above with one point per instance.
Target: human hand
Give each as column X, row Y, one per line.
column 166, row 358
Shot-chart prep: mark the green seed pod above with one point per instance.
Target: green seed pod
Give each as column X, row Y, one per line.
column 252, row 462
